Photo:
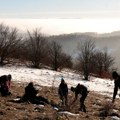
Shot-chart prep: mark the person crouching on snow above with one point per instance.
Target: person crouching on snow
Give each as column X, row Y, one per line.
column 63, row 92
column 30, row 95
column 82, row 90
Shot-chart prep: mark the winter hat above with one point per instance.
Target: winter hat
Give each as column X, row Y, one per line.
column 62, row 78
column 73, row 89
column 115, row 74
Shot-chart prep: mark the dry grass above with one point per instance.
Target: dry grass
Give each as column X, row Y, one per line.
column 27, row 111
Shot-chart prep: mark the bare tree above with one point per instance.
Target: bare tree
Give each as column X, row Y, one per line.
column 55, row 51
column 97, row 62
column 108, row 60
column 57, row 57
column 66, row 61
column 36, row 47
column 102, row 62
column 9, row 42
column 86, row 52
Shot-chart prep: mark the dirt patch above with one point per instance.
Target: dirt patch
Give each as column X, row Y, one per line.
column 95, row 104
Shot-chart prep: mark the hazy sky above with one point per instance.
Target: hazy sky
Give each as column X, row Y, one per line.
column 59, row 8
column 62, row 16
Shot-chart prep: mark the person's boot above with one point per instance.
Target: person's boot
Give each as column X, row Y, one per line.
column 84, row 108
column 81, row 107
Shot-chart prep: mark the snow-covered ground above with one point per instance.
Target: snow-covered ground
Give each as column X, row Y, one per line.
column 45, row 77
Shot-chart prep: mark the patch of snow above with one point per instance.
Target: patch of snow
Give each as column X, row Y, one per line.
column 16, row 99
column 115, row 118
column 45, row 77
column 68, row 113
column 41, row 106
column 55, row 108
column 115, row 110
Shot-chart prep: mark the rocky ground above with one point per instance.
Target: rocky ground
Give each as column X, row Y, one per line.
column 99, row 107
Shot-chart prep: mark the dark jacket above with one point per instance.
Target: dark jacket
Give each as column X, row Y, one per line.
column 116, row 86
column 3, row 79
column 4, row 82
column 63, row 89
column 4, row 85
column 81, row 89
column 30, row 93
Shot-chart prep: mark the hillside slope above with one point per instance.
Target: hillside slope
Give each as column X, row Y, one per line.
column 96, row 105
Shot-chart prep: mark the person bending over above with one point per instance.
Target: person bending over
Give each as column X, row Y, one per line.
column 82, row 90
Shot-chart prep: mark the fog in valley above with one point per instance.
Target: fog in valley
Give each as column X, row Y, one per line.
column 111, row 41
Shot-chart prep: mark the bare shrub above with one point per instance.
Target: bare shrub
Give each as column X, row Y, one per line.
column 106, row 109
column 57, row 58
column 9, row 42
column 36, row 47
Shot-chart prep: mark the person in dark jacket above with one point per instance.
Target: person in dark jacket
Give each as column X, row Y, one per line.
column 82, row 90
column 63, row 92
column 5, row 82
column 31, row 95
column 116, row 78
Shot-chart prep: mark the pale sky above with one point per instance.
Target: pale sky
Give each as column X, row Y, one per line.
column 59, row 8
column 62, row 16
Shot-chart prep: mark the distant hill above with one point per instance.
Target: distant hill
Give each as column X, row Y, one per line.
column 70, row 42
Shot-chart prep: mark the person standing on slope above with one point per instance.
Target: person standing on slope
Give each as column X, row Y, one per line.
column 116, row 78
column 63, row 92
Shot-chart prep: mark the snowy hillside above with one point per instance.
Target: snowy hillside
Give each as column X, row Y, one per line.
column 96, row 104
column 45, row 77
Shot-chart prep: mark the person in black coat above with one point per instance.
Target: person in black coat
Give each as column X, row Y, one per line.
column 31, row 95
column 5, row 81
column 116, row 78
column 63, row 92
column 82, row 90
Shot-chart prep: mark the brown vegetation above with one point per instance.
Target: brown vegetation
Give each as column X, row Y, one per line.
column 96, row 104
